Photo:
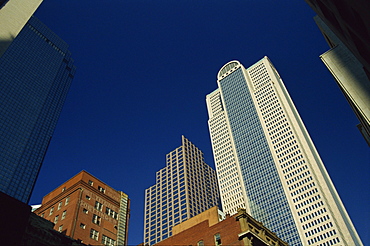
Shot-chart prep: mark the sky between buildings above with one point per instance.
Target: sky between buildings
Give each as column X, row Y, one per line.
column 144, row 69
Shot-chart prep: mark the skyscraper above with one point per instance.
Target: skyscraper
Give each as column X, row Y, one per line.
column 36, row 71
column 87, row 209
column 184, row 188
column 266, row 161
column 345, row 25
column 14, row 14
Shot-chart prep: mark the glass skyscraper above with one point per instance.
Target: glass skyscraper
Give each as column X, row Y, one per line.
column 36, row 71
column 184, row 188
column 266, row 161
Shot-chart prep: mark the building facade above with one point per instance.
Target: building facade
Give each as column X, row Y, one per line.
column 266, row 161
column 210, row 228
column 36, row 71
column 184, row 188
column 14, row 15
column 345, row 25
column 86, row 209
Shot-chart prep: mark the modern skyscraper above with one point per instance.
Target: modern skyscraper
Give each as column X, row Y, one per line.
column 87, row 209
column 266, row 161
column 345, row 25
column 14, row 15
column 36, row 71
column 184, row 188
column 350, row 76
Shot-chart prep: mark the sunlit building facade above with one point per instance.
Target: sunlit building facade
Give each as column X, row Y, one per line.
column 184, row 188
column 87, row 209
column 36, row 71
column 266, row 161
column 14, row 15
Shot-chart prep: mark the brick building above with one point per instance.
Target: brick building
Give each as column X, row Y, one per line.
column 208, row 228
column 87, row 209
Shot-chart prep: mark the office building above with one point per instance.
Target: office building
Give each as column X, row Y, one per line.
column 184, row 188
column 36, row 71
column 86, row 209
column 266, row 161
column 345, row 26
column 350, row 21
column 212, row 228
column 14, row 15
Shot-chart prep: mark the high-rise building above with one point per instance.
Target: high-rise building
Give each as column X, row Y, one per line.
column 184, row 188
column 266, row 161
column 86, row 209
column 350, row 76
column 36, row 71
column 345, row 24
column 14, row 15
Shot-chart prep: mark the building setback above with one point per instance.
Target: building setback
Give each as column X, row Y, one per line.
column 36, row 71
column 211, row 228
column 86, row 209
column 184, row 188
column 267, row 163
column 345, row 25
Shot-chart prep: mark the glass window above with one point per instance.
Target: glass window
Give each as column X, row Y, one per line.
column 64, row 214
column 99, row 206
column 94, row 234
column 96, row 219
column 217, row 239
column 200, row 243
column 56, row 219
column 101, row 189
column 107, row 241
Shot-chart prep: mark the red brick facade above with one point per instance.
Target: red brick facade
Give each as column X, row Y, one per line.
column 83, row 205
column 228, row 230
column 207, row 229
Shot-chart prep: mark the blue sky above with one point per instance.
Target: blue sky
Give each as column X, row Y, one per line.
column 144, row 69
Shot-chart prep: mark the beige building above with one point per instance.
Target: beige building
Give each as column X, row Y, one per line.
column 14, row 14
column 185, row 187
column 88, row 210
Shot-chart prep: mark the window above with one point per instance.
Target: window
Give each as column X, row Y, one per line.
column 99, row 206
column 42, row 215
column 67, row 201
column 200, row 243
column 107, row 241
column 64, row 188
column 217, row 239
column 94, row 234
column 91, row 182
column 51, row 211
column 64, row 214
column 82, row 225
column 111, row 213
column 56, row 219
column 88, row 197
column 60, row 205
column 96, row 219
column 60, row 228
column 85, row 211
column 101, row 189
